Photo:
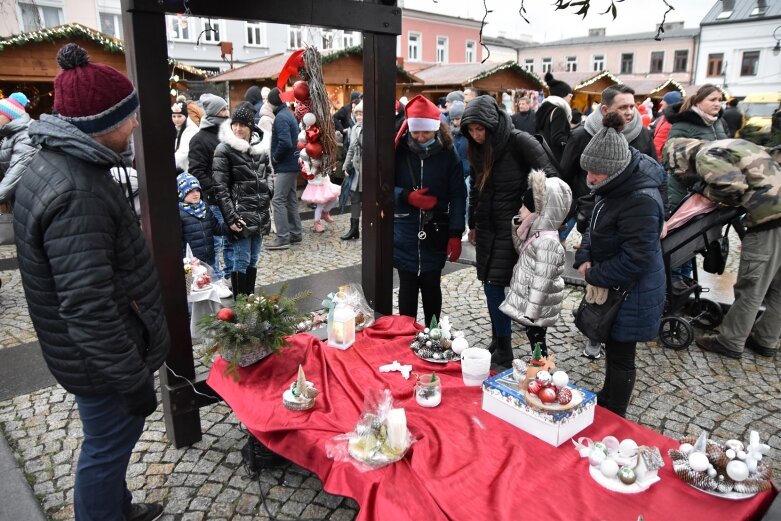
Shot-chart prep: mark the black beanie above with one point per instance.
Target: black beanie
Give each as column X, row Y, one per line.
column 244, row 114
column 528, row 200
column 273, row 97
column 557, row 87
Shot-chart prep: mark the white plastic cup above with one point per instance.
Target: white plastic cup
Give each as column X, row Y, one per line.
column 475, row 365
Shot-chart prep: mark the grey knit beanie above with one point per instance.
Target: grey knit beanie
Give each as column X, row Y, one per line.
column 456, row 110
column 212, row 104
column 456, row 95
column 607, row 152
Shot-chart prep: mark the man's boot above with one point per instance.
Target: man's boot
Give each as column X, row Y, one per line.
column 503, row 355
column 251, row 275
column 352, row 233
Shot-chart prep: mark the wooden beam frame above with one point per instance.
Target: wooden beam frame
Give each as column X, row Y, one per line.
column 145, row 36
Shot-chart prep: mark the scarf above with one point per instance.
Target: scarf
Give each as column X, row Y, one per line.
column 631, row 130
column 197, row 210
column 707, row 118
column 526, row 225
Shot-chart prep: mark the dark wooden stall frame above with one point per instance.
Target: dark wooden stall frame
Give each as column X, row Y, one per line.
column 146, row 54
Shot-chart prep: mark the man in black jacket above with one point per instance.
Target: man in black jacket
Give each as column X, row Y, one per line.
column 200, row 157
column 89, row 279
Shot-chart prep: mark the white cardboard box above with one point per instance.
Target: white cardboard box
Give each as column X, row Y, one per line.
column 503, row 398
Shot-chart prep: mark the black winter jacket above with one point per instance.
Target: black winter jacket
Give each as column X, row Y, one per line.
column 199, row 234
column 241, row 182
column 89, row 279
column 552, row 124
column 284, row 137
column 200, row 157
column 515, row 154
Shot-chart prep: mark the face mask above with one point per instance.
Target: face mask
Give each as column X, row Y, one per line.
column 428, row 143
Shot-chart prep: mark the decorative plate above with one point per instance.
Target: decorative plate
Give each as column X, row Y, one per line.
column 735, row 496
column 616, row 485
column 534, row 400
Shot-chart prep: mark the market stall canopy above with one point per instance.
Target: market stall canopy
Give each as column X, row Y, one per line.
column 595, row 83
column 489, row 77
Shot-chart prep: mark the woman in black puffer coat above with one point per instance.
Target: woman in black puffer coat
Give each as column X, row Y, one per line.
column 501, row 159
column 241, row 186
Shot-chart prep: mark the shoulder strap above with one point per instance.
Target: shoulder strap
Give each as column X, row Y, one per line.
column 544, row 144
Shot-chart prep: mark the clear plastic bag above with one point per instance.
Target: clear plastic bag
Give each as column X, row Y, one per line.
column 364, row 314
column 380, row 437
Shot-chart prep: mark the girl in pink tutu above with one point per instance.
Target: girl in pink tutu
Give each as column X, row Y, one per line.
column 322, row 192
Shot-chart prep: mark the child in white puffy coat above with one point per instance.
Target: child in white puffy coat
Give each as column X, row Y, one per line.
column 537, row 288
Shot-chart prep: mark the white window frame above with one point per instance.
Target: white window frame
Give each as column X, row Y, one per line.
column 171, row 19
column 295, row 32
column 348, row 38
column 470, row 52
column 117, row 19
column 418, row 47
column 40, row 5
column 443, row 42
column 571, row 64
column 547, row 65
column 598, row 62
column 259, row 31
column 528, row 64
column 209, row 37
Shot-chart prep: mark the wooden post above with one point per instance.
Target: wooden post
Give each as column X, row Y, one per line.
column 379, row 79
column 145, row 36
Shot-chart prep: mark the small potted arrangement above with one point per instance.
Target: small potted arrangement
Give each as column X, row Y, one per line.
column 538, row 363
column 256, row 326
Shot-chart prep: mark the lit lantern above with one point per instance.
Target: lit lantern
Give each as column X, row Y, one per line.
column 341, row 329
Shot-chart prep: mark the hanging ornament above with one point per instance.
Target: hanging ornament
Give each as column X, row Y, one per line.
column 312, row 134
column 309, row 119
column 302, row 108
column 302, row 136
column 314, row 150
column 301, row 90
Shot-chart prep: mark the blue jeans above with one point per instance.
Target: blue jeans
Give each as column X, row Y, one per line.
column 221, row 246
column 100, row 492
column 466, row 206
column 500, row 322
column 246, row 253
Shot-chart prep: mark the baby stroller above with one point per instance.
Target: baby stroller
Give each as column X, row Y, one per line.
column 693, row 234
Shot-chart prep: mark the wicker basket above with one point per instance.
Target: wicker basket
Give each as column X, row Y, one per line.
column 248, row 356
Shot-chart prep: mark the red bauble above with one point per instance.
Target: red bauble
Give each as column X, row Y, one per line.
column 226, row 315
column 565, row 396
column 547, row 395
column 535, row 387
column 314, row 150
column 302, row 107
column 300, row 145
column 301, row 90
column 312, row 134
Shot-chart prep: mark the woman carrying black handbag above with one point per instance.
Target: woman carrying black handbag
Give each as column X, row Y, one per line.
column 621, row 249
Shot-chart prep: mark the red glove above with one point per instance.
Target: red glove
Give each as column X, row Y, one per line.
column 419, row 199
column 453, row 249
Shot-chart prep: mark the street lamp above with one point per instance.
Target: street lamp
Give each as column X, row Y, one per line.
column 777, row 48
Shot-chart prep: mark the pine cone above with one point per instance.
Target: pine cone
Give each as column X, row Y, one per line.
column 752, row 486
column 716, row 456
column 676, row 455
column 699, row 480
column 726, row 485
column 763, row 472
column 688, row 439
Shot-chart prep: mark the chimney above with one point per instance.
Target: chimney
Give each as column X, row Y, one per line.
column 761, row 5
column 727, row 5
column 600, row 31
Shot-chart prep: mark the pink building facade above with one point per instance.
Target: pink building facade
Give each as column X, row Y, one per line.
column 428, row 38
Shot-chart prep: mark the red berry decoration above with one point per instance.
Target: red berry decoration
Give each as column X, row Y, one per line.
column 565, row 396
column 302, row 107
column 226, row 315
column 547, row 395
column 535, row 387
column 301, row 90
column 314, row 150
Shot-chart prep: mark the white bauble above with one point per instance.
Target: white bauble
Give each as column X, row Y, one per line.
column 560, row 379
column 730, row 453
column 309, row 119
column 698, row 461
column 303, row 155
column 459, row 344
column 609, row 468
column 737, row 470
column 686, row 448
column 596, row 457
column 302, row 137
column 628, row 446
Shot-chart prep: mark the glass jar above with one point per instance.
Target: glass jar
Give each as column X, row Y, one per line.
column 428, row 390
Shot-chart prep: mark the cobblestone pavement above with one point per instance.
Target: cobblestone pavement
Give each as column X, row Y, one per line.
column 677, row 392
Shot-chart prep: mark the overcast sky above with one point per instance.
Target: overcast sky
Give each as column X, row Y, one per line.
column 547, row 24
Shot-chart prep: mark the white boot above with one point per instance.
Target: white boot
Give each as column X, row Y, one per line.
column 223, row 291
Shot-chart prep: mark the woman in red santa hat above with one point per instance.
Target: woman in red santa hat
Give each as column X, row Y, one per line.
column 430, row 202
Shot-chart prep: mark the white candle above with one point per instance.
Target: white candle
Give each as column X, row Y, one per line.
column 396, row 425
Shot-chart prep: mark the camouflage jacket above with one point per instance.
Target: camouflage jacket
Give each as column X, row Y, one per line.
column 736, row 173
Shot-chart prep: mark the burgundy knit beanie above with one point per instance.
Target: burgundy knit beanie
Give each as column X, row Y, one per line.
column 93, row 97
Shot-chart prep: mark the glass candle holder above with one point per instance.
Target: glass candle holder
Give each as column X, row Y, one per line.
column 428, row 390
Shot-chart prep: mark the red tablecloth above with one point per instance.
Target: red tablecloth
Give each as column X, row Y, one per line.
column 467, row 464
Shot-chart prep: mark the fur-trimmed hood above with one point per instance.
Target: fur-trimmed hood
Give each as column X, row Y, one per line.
column 255, row 148
column 552, row 200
